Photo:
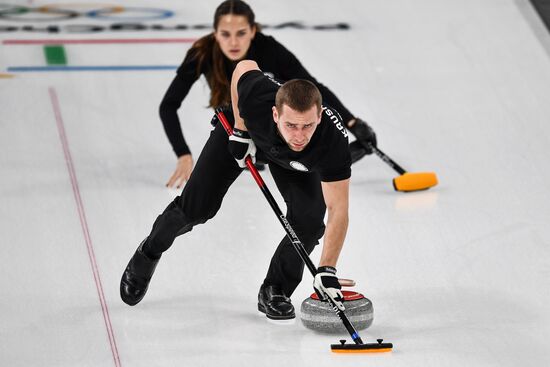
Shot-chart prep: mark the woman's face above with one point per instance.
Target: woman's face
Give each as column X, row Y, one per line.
column 234, row 35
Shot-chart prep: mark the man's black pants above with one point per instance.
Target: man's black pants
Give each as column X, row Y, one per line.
column 202, row 197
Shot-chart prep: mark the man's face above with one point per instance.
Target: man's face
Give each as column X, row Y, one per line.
column 295, row 127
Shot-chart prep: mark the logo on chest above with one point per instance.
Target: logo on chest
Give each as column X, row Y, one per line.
column 298, row 166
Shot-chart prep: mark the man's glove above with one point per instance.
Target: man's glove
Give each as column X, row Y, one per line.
column 326, row 284
column 241, row 146
column 364, row 134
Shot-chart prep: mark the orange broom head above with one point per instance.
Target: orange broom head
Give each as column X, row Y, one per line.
column 379, row 347
column 414, row 181
column 378, row 350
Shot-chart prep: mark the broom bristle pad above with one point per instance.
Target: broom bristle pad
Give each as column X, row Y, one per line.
column 415, row 181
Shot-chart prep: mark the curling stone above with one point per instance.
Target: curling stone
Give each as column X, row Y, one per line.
column 319, row 316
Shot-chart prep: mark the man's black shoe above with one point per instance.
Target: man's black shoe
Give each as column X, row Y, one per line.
column 274, row 303
column 136, row 277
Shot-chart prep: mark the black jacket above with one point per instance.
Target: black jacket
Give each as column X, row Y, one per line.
column 271, row 56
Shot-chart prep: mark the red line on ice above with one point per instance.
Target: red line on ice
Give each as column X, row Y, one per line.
column 83, row 222
column 96, row 41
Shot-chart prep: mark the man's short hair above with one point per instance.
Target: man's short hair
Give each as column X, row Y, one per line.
column 298, row 94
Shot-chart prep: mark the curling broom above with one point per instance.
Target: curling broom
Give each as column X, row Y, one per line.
column 407, row 181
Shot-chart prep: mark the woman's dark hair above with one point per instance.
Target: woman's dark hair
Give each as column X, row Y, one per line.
column 207, row 51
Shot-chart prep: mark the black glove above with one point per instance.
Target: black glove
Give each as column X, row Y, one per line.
column 364, row 134
column 326, row 284
column 357, row 151
column 241, row 146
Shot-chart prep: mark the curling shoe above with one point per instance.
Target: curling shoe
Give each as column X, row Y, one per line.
column 273, row 302
column 136, row 277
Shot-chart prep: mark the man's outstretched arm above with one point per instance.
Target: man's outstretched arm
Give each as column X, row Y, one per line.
column 336, row 196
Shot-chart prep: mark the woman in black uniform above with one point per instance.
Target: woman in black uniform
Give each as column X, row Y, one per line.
column 236, row 36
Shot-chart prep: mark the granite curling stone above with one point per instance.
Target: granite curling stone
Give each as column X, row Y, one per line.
column 319, row 316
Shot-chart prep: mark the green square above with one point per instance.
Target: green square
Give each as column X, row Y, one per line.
column 55, row 55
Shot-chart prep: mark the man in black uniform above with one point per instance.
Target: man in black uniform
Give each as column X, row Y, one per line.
column 306, row 147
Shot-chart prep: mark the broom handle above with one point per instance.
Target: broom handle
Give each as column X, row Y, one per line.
column 387, row 159
column 296, row 243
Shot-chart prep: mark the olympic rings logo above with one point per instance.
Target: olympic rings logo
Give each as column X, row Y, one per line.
column 56, row 12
